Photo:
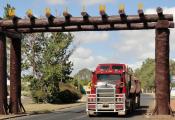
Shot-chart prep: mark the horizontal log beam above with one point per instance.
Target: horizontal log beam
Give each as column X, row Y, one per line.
column 44, row 22
column 11, row 34
column 132, row 26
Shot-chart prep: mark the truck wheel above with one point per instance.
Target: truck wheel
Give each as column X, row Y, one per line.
column 91, row 114
column 139, row 101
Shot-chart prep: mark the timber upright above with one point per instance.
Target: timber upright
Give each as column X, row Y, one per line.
column 113, row 89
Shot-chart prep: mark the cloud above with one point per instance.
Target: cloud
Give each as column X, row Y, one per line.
column 82, row 53
column 136, row 46
column 93, row 2
column 132, row 47
column 60, row 2
column 90, row 37
column 172, row 31
column 135, row 65
column 84, row 58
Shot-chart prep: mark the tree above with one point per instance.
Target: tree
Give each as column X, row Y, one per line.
column 84, row 76
column 146, row 74
column 57, row 66
column 33, row 46
column 48, row 57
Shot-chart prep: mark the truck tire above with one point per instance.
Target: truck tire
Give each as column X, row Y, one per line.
column 138, row 101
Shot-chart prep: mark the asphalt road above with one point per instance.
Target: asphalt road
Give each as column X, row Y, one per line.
column 79, row 113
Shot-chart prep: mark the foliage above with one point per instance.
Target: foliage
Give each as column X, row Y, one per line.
column 83, row 77
column 147, row 73
column 172, row 71
column 172, row 67
column 47, row 56
column 68, row 93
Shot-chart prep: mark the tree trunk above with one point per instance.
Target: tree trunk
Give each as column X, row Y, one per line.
column 15, row 76
column 3, row 75
column 162, row 77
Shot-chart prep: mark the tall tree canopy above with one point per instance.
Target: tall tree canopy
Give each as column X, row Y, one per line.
column 47, row 57
column 146, row 73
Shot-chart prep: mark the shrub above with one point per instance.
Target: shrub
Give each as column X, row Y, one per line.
column 39, row 96
column 68, row 93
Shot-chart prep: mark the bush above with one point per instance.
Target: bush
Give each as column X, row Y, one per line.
column 68, row 93
column 39, row 96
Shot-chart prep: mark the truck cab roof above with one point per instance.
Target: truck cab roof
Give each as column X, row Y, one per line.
column 111, row 68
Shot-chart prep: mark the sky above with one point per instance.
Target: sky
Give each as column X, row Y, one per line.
column 93, row 48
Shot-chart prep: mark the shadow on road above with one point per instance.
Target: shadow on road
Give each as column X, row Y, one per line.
column 138, row 112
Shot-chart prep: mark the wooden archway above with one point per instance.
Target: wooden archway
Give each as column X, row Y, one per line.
column 15, row 26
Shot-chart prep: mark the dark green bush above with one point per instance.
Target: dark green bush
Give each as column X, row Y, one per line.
column 68, row 93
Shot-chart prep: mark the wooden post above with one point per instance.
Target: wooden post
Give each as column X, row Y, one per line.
column 15, row 76
column 3, row 75
column 162, row 77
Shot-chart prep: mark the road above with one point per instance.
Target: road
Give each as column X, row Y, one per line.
column 79, row 113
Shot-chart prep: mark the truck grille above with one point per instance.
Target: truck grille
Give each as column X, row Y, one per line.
column 105, row 95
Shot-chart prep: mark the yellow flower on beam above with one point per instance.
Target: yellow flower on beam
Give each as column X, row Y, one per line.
column 102, row 8
column 11, row 12
column 47, row 11
column 29, row 13
column 140, row 6
column 121, row 7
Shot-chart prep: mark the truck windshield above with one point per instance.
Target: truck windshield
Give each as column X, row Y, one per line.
column 104, row 77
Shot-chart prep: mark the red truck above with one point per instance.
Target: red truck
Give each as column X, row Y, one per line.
column 113, row 89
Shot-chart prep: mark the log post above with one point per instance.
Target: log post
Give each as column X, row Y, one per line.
column 3, row 75
column 15, row 76
column 162, row 77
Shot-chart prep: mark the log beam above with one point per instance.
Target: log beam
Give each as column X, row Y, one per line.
column 3, row 75
column 11, row 34
column 162, row 77
column 71, row 21
column 15, row 76
column 85, row 15
column 132, row 26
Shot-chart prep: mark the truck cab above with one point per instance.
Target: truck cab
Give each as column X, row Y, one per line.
column 110, row 90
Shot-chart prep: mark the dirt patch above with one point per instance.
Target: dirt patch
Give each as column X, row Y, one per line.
column 160, row 117
column 45, row 108
column 32, row 109
column 173, row 104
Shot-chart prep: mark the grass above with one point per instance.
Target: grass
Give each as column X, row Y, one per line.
column 46, row 108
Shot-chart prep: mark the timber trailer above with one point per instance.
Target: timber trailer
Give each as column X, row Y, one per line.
column 113, row 89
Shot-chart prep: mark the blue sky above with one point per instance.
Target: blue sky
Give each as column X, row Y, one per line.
column 130, row 47
column 75, row 6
